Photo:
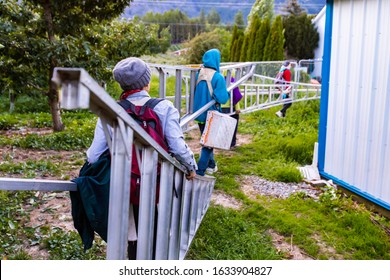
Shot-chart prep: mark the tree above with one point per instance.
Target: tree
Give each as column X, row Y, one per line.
column 274, row 45
column 234, row 39
column 263, row 9
column 202, row 17
column 300, row 33
column 301, row 36
column 237, row 37
column 244, row 48
column 48, row 24
column 255, row 26
column 237, row 46
column 293, row 8
column 16, row 50
column 239, row 20
column 236, row 43
column 213, row 17
column 179, row 24
column 261, row 38
column 76, row 39
column 218, row 39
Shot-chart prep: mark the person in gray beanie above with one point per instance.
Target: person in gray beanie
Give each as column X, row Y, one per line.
column 133, row 75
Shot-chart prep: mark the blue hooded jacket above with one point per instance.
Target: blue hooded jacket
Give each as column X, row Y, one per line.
column 211, row 59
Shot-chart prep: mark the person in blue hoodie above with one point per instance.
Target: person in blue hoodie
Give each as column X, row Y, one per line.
column 210, row 84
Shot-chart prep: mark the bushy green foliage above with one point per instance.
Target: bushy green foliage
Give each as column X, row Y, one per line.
column 77, row 135
column 24, row 103
column 252, row 47
column 261, row 38
column 63, row 245
column 30, row 168
column 177, row 23
column 20, row 121
column 274, row 45
column 264, row 9
column 233, row 43
column 244, row 47
column 11, row 214
column 217, row 39
column 72, row 34
column 301, row 36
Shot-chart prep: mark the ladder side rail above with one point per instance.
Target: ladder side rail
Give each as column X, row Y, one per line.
column 165, row 210
column 185, row 218
column 174, row 241
column 147, row 204
column 118, row 207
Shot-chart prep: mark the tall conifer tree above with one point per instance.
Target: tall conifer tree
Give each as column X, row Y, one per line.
column 261, row 38
column 255, row 26
column 274, row 46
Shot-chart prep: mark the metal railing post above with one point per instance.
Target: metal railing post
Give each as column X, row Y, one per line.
column 162, row 83
column 178, row 88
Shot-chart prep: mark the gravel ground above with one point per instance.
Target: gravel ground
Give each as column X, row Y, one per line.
column 279, row 189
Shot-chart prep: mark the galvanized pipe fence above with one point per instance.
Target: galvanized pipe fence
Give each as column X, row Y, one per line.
column 182, row 203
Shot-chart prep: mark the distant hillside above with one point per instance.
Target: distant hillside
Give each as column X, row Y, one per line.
column 226, row 8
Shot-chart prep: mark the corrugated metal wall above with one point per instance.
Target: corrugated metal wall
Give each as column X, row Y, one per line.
column 357, row 150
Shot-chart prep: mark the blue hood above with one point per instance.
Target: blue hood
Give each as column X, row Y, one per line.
column 212, row 59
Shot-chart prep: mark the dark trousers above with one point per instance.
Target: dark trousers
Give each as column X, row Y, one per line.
column 234, row 116
column 285, row 107
column 206, row 158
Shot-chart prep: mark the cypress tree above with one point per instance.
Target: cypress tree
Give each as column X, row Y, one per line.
column 263, row 9
column 274, row 45
column 244, row 48
column 255, row 26
column 239, row 20
column 261, row 37
column 301, row 36
column 233, row 46
column 239, row 42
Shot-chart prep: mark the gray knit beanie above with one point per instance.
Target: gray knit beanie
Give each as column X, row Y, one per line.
column 132, row 73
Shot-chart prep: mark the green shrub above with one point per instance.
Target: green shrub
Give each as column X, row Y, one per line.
column 25, row 104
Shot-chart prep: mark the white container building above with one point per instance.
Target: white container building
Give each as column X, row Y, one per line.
column 354, row 133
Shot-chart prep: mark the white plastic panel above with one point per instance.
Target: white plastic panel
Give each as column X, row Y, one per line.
column 358, row 128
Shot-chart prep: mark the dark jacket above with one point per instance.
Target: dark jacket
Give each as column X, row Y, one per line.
column 90, row 201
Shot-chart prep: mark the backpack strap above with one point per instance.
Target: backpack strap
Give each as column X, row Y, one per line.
column 206, row 74
column 150, row 103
